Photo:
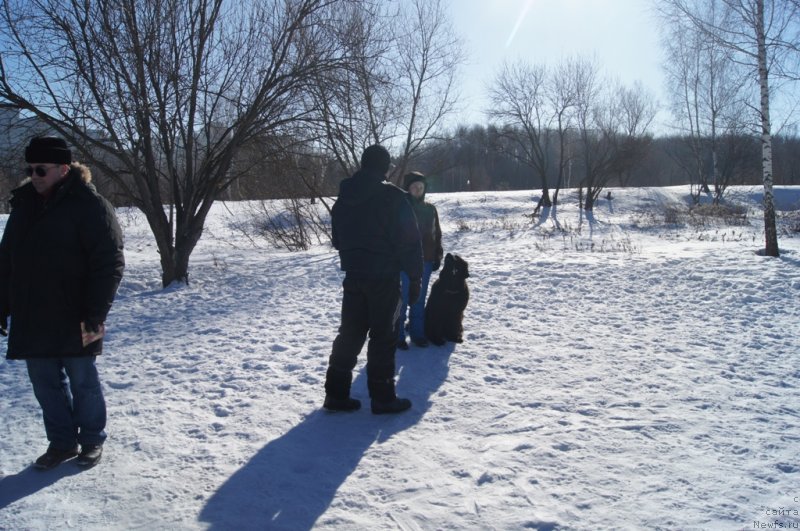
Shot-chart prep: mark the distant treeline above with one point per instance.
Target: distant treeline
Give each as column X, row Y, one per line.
column 479, row 159
column 474, row 160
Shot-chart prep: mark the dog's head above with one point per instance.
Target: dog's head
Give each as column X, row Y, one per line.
column 455, row 269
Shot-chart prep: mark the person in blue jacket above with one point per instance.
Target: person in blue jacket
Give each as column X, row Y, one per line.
column 428, row 222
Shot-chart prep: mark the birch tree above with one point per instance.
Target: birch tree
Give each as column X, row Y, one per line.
column 763, row 36
column 708, row 93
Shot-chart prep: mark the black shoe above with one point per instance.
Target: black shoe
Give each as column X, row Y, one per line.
column 54, row 457
column 402, row 345
column 421, row 342
column 395, row 406
column 341, row 404
column 90, row 455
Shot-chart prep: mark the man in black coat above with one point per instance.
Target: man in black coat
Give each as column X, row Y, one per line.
column 375, row 232
column 61, row 262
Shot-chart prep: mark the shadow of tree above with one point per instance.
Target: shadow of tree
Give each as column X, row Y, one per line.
column 31, row 480
column 291, row 482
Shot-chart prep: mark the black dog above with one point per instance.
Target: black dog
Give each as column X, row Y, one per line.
column 444, row 311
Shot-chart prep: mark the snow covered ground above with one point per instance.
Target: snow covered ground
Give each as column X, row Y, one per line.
column 629, row 373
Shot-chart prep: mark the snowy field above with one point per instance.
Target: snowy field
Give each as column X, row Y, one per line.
column 641, row 371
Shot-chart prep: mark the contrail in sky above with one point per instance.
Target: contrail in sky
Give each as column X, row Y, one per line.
column 521, row 17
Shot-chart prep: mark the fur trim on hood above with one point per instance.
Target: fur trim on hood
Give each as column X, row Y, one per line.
column 81, row 170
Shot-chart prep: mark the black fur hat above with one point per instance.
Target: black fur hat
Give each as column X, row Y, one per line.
column 376, row 158
column 48, row 149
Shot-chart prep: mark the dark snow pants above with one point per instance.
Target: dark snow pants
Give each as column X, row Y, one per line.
column 368, row 306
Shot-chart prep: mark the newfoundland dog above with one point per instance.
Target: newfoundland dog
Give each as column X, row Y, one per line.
column 444, row 311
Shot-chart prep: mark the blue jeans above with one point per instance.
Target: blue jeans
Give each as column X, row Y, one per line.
column 73, row 406
column 416, row 315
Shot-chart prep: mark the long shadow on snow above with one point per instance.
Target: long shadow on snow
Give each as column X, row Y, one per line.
column 292, row 481
column 31, row 480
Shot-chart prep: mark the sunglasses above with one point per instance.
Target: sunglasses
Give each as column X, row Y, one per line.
column 41, row 171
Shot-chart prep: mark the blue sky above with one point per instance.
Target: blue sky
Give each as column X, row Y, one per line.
column 622, row 34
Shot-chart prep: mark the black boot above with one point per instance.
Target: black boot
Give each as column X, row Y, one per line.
column 337, row 382
column 341, row 404
column 394, row 406
column 55, row 456
column 384, row 399
column 90, row 455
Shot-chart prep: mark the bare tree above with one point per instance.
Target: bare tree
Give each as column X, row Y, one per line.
column 561, row 93
column 635, row 110
column 593, row 121
column 397, row 85
column 708, row 92
column 539, row 109
column 520, row 103
column 764, row 37
column 429, row 56
column 612, row 124
column 162, row 95
column 356, row 104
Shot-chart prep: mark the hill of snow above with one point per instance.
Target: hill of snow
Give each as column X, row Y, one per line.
column 636, row 370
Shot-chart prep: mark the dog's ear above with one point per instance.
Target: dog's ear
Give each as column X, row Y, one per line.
column 462, row 266
column 455, row 267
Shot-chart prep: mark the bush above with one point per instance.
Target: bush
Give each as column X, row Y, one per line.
column 729, row 213
column 291, row 224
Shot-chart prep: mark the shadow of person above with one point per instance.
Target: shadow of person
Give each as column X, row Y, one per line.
column 31, row 480
column 292, row 481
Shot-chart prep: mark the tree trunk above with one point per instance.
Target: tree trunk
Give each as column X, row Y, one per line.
column 770, row 230
column 546, row 202
column 175, row 254
column 180, row 265
column 161, row 228
column 588, row 202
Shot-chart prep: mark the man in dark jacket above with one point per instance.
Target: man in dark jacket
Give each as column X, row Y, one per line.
column 61, row 262
column 376, row 234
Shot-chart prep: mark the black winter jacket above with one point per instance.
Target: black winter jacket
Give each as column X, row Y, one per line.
column 374, row 229
column 60, row 263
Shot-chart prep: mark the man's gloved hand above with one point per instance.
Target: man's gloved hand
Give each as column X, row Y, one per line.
column 436, row 265
column 414, row 287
